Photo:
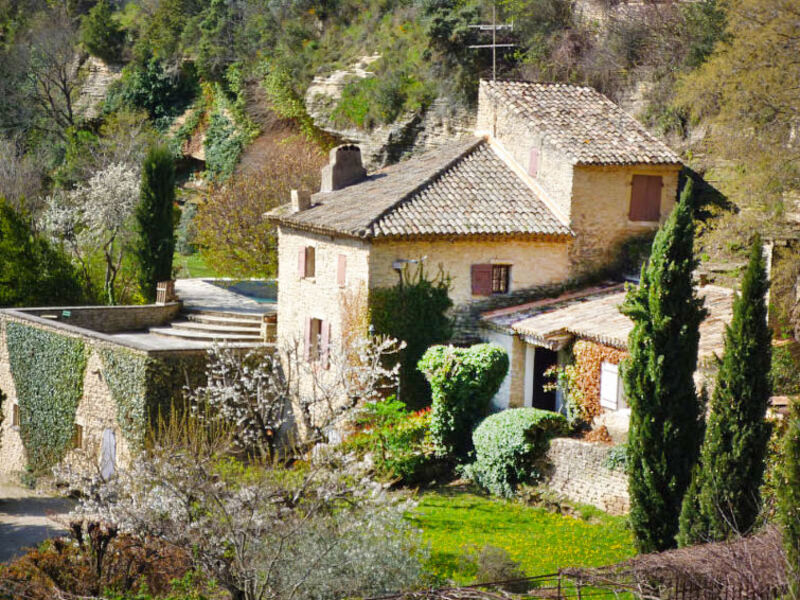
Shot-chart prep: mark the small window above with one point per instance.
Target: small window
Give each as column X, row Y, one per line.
column 500, row 278
column 315, row 331
column 306, row 262
column 15, row 415
column 612, row 394
column 77, row 436
column 533, row 163
column 645, row 198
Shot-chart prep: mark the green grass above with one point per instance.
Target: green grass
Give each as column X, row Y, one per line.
column 193, row 266
column 541, row 541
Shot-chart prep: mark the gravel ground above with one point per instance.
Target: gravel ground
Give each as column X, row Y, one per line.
column 27, row 518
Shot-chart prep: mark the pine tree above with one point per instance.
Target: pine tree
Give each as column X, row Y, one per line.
column 788, row 493
column 155, row 220
column 100, row 34
column 666, row 425
column 725, row 499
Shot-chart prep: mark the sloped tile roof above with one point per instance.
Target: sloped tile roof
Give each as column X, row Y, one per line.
column 596, row 317
column 582, row 123
column 462, row 190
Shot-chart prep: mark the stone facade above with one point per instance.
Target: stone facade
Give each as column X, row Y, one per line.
column 532, row 263
column 578, row 473
column 12, row 452
column 318, row 297
column 601, row 199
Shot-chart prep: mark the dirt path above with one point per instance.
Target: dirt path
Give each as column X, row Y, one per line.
column 26, row 519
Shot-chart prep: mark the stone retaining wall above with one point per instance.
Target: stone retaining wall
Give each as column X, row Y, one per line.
column 577, row 472
column 110, row 319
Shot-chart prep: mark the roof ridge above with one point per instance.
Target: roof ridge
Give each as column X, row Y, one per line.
column 435, row 176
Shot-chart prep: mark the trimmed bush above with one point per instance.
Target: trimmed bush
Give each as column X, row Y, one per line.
column 508, row 442
column 463, row 381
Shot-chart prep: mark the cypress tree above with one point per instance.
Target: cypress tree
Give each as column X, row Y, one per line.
column 788, row 493
column 666, row 425
column 155, row 220
column 725, row 498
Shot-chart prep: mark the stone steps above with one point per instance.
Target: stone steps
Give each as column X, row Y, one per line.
column 210, row 325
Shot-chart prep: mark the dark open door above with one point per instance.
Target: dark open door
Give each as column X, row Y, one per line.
column 543, row 359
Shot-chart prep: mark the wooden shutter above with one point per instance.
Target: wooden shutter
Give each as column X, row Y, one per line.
column 325, row 342
column 481, row 280
column 533, row 162
column 341, row 270
column 307, row 340
column 645, row 198
column 609, row 386
column 301, row 262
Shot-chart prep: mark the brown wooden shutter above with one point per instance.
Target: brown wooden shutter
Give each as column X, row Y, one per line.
column 325, row 342
column 481, row 280
column 301, row 262
column 307, row 340
column 645, row 198
column 533, row 163
column 341, row 270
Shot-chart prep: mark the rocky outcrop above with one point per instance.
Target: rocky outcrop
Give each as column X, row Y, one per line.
column 97, row 77
column 412, row 133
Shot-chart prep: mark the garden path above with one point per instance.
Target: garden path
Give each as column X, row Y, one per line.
column 27, row 518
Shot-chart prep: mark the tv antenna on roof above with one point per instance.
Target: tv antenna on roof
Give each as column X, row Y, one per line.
column 494, row 28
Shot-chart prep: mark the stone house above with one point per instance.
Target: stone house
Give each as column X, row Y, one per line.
column 554, row 179
column 540, row 335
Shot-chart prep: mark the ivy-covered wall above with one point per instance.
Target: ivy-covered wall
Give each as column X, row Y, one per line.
column 144, row 387
column 48, row 371
column 589, row 357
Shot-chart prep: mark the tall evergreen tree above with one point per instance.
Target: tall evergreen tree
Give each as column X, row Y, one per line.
column 666, row 426
column 155, row 220
column 788, row 493
column 726, row 497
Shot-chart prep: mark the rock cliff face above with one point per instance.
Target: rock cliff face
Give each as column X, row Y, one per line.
column 97, row 77
column 412, row 133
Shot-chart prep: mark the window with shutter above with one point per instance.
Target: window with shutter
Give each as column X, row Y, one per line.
column 482, row 280
column 77, row 436
column 341, row 270
column 500, row 279
column 311, row 261
column 301, row 263
column 314, row 332
column 15, row 415
column 645, row 198
column 533, row 163
column 611, row 390
column 325, row 343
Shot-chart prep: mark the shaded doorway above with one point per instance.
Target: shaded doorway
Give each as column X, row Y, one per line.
column 543, row 359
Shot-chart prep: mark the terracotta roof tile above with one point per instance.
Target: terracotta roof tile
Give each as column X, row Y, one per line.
column 464, row 189
column 582, row 123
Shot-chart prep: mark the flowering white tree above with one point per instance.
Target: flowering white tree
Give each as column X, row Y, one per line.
column 95, row 217
column 261, row 531
column 261, row 391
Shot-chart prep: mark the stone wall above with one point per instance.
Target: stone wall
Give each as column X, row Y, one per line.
column 317, row 297
column 532, row 262
column 97, row 409
column 577, row 472
column 601, row 199
column 109, row 319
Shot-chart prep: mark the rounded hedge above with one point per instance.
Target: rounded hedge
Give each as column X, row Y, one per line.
column 463, row 382
column 508, row 442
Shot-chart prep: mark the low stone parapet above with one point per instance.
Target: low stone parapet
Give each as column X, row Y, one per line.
column 577, row 471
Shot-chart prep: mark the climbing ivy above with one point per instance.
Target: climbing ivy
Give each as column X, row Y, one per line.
column 48, row 371
column 144, row 387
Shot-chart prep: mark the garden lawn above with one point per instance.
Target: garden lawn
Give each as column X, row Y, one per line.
column 193, row 266
column 541, row 541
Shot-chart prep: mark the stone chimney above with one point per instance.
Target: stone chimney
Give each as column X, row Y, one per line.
column 301, row 200
column 344, row 168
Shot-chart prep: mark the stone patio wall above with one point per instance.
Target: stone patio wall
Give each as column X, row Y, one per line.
column 110, row 319
column 577, row 472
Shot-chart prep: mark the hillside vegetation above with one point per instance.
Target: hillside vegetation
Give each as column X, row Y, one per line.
column 718, row 77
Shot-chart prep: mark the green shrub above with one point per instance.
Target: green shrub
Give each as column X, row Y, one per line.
column 397, row 440
column 507, row 443
column 223, row 146
column 617, row 458
column 463, row 381
column 100, row 34
column 785, row 371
